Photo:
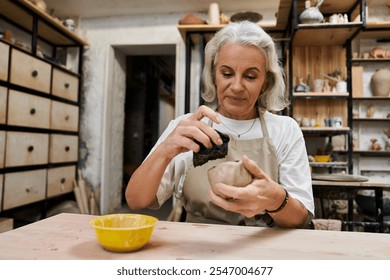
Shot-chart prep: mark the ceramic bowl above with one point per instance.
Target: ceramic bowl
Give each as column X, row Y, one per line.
column 321, row 158
column 123, row 232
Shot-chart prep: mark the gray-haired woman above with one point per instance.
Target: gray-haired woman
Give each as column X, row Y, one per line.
column 243, row 85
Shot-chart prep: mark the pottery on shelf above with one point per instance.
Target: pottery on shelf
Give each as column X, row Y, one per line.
column 311, row 14
column 380, row 82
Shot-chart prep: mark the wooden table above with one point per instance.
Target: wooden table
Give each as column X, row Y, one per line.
column 348, row 191
column 69, row 236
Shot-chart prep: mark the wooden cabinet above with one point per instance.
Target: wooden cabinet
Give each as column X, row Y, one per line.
column 24, row 148
column 60, row 180
column 4, row 56
column 25, row 187
column 28, row 110
column 63, row 148
column 2, row 148
column 65, row 85
column 30, row 72
column 39, row 107
column 3, row 104
column 64, row 116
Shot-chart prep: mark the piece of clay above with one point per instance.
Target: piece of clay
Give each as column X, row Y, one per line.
column 231, row 173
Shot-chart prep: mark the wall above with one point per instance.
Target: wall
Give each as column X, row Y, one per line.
column 102, row 116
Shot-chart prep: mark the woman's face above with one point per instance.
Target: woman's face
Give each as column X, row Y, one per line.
column 240, row 77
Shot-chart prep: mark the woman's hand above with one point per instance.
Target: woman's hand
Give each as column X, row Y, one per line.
column 183, row 137
column 263, row 193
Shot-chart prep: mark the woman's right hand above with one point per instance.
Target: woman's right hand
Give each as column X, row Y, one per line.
column 183, row 138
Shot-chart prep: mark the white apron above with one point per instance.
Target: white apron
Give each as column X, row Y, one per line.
column 196, row 198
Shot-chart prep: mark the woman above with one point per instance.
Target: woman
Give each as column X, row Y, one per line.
column 243, row 82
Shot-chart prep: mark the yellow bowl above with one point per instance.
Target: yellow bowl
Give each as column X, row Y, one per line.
column 322, row 158
column 123, row 232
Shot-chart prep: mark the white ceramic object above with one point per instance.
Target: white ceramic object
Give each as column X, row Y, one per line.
column 213, row 13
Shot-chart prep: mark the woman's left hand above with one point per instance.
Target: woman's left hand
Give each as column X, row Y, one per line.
column 263, row 193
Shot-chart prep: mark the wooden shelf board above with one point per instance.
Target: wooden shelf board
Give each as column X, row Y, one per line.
column 211, row 29
column 371, row 98
column 324, row 128
column 320, row 94
column 370, row 60
column 324, row 34
column 371, row 119
column 329, row 164
column 378, row 24
column 372, row 153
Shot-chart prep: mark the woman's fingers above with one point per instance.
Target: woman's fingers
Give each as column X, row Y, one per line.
column 191, row 132
column 204, row 111
column 200, row 131
column 253, row 168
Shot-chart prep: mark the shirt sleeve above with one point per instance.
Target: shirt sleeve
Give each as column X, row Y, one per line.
column 173, row 178
column 294, row 169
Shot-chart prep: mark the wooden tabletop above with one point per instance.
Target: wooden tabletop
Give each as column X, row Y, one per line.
column 356, row 184
column 69, row 236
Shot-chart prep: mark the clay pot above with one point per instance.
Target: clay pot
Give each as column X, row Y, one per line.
column 380, row 82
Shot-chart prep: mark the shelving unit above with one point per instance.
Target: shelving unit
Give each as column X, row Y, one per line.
column 372, row 163
column 39, row 114
column 367, row 162
column 317, row 49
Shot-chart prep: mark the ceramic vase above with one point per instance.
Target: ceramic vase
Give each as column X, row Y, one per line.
column 311, row 14
column 380, row 82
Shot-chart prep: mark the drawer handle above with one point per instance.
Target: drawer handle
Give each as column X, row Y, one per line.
column 62, row 187
column 28, row 189
column 67, row 85
column 34, row 73
column 30, row 148
column 33, row 111
column 67, row 148
column 67, row 117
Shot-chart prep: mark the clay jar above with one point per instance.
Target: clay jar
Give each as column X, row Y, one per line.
column 380, row 82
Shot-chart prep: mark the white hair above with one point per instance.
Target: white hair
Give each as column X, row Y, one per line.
column 273, row 96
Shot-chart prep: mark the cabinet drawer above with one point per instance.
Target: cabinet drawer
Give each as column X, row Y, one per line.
column 63, row 148
column 60, row 180
column 28, row 110
column 65, row 85
column 2, row 147
column 4, row 57
column 1, row 191
column 30, row 72
column 3, row 103
column 26, row 149
column 64, row 116
column 22, row 188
